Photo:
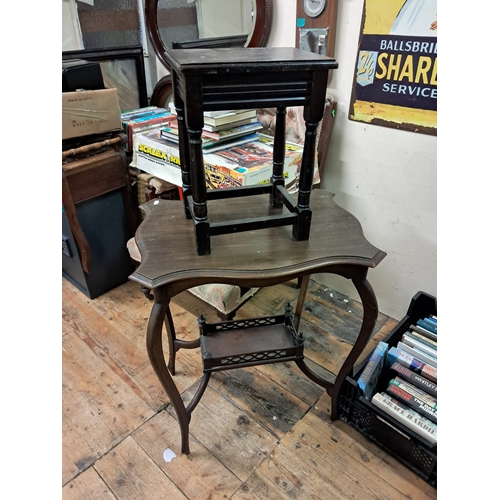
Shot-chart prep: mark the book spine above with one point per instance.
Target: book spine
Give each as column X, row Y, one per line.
column 396, row 355
column 422, row 339
column 427, row 326
column 369, row 376
column 155, row 121
column 409, row 418
column 415, row 391
column 417, row 353
column 415, row 379
column 430, row 321
column 412, row 342
column 421, row 331
column 417, row 404
column 165, row 154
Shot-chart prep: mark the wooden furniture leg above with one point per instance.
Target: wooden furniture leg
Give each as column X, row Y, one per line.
column 277, row 179
column 157, row 359
column 370, row 314
column 304, row 283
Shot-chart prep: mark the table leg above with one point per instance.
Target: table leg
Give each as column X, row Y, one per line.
column 370, row 314
column 183, row 148
column 277, row 179
column 157, row 359
column 304, row 283
column 302, row 224
column 194, row 124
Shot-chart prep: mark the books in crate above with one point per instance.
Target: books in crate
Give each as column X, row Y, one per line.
column 402, row 380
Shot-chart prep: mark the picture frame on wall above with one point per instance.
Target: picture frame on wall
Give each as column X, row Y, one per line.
column 122, row 68
column 395, row 78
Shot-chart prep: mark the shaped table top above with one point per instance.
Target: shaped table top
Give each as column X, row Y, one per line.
column 166, row 241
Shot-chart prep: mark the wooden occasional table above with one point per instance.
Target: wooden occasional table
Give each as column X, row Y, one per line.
column 240, row 78
column 170, row 264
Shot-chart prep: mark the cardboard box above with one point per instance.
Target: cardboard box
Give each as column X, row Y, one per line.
column 87, row 112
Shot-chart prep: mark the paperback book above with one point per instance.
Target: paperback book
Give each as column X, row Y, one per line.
column 220, row 128
column 417, row 353
column 414, row 390
column 415, row 379
column 211, row 142
column 369, row 377
column 223, row 117
column 396, row 355
column 411, row 341
column 405, row 415
column 415, row 403
column 427, row 325
column 422, row 339
column 230, row 117
column 425, row 333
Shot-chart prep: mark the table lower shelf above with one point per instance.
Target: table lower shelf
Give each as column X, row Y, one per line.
column 236, row 344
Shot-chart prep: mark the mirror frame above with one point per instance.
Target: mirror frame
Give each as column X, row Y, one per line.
column 260, row 34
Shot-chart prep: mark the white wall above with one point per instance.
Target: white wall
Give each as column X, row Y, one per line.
column 385, row 177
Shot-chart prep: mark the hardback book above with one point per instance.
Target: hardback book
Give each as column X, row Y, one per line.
column 211, row 142
column 249, row 164
column 369, row 377
column 213, row 146
column 128, row 120
column 211, row 114
column 415, row 379
column 220, row 128
column 396, row 355
column 157, row 119
column 414, row 390
column 133, row 113
column 433, row 319
column 232, row 132
column 156, row 156
column 417, row 353
column 223, row 112
column 222, row 117
column 425, row 333
column 230, row 117
column 411, row 341
column 406, row 416
column 422, row 339
column 415, row 403
column 422, row 323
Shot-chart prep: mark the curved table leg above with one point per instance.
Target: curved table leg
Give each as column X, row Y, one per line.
column 169, row 326
column 157, row 359
column 370, row 314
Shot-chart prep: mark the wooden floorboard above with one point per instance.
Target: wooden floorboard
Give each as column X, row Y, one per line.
column 257, row 433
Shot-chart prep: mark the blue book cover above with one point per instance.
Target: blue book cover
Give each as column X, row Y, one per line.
column 368, row 379
column 432, row 320
column 426, row 324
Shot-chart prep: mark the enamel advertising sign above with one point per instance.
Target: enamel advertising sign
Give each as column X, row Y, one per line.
column 395, row 81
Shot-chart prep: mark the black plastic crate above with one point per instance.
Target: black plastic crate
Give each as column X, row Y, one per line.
column 413, row 451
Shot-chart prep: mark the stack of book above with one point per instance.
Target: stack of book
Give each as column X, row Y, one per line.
column 233, row 166
column 222, row 129
column 143, row 119
column 251, row 163
column 410, row 396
